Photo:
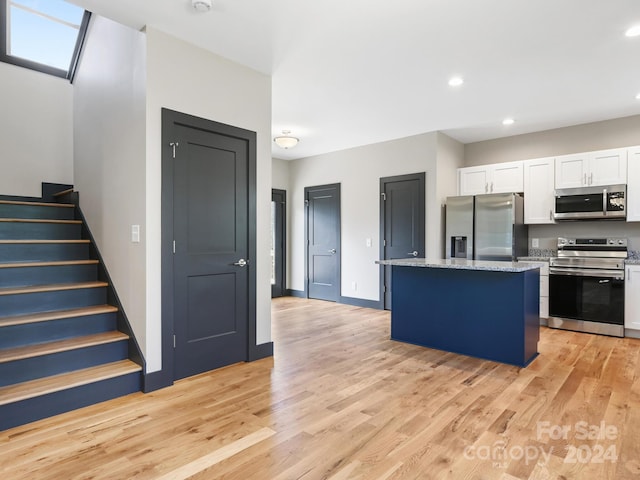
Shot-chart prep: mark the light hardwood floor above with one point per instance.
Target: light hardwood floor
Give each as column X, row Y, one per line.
column 339, row 400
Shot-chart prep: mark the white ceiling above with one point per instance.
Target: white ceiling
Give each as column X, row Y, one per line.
column 353, row 72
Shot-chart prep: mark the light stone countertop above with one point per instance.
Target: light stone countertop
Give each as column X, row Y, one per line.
column 462, row 264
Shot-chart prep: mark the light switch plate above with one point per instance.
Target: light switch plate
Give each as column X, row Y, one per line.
column 535, row 243
column 135, row 233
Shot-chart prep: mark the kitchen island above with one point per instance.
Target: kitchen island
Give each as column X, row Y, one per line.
column 478, row 308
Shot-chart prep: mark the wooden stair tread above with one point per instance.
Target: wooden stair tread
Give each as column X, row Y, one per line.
column 63, row 192
column 51, row 288
column 40, row 220
column 56, row 315
column 57, row 263
column 30, row 351
column 56, row 383
column 36, row 241
column 37, row 204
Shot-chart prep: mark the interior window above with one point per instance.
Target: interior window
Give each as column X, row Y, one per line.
column 44, row 35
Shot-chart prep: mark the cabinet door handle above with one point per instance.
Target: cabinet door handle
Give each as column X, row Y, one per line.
column 491, row 187
column 591, row 178
column 486, row 187
column 550, row 214
column 585, row 179
column 628, row 274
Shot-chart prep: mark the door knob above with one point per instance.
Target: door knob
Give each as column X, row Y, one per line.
column 241, row 263
column 332, row 251
column 413, row 254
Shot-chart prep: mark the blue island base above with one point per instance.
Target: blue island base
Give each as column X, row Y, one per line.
column 486, row 314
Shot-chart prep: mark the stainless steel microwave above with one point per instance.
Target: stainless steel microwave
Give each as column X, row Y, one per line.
column 591, row 203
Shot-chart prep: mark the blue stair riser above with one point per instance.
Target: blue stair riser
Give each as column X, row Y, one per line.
column 61, row 362
column 27, row 303
column 36, row 211
column 39, row 231
column 43, row 252
column 30, row 410
column 25, row 276
column 61, row 329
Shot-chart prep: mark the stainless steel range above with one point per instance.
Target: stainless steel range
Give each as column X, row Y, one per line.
column 586, row 285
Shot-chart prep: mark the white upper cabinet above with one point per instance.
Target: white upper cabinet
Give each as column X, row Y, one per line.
column 633, row 185
column 473, row 180
column 571, row 171
column 609, row 167
column 507, row 177
column 592, row 169
column 497, row 178
column 539, row 186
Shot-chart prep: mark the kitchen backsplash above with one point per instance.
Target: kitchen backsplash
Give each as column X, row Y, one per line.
column 547, row 235
column 634, row 254
column 541, row 252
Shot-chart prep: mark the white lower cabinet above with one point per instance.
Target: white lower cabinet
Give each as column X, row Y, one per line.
column 544, row 292
column 633, row 185
column 632, row 298
column 544, row 288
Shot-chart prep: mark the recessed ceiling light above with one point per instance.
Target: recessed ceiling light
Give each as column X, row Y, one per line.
column 201, row 6
column 508, row 121
column 456, row 81
column 638, row 96
column 633, row 31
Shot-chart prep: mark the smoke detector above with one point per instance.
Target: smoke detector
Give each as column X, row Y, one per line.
column 201, row 5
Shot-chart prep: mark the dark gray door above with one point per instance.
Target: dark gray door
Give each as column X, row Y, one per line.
column 210, row 198
column 402, row 208
column 323, row 241
column 278, row 242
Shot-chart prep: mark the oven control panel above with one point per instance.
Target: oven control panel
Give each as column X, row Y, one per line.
column 597, row 243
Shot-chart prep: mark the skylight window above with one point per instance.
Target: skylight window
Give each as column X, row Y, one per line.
column 44, row 35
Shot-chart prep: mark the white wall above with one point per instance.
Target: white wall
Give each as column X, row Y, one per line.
column 450, row 158
column 280, row 174
column 109, row 144
column 188, row 79
column 620, row 132
column 280, row 180
column 36, row 131
column 359, row 170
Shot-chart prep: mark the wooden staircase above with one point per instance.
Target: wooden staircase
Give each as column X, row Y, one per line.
column 60, row 347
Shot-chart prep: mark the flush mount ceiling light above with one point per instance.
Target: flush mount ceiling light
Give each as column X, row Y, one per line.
column 633, row 31
column 508, row 121
column 456, row 81
column 201, row 5
column 286, row 140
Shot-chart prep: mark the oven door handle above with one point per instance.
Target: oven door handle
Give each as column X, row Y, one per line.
column 579, row 272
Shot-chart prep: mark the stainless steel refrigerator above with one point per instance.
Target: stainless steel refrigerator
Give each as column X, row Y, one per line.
column 486, row 227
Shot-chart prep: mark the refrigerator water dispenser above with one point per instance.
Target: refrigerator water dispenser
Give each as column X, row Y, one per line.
column 459, row 247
